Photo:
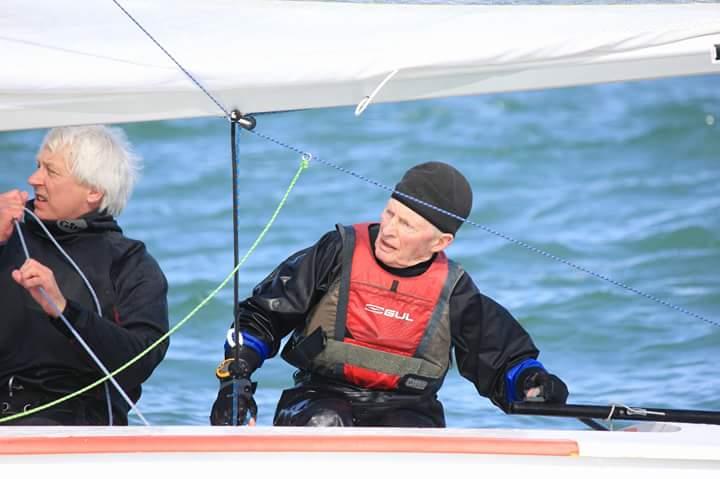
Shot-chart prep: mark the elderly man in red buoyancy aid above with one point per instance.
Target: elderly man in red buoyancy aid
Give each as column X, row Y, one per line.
column 374, row 311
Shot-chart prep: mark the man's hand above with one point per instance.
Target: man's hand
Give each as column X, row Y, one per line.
column 246, row 408
column 536, row 384
column 11, row 208
column 32, row 276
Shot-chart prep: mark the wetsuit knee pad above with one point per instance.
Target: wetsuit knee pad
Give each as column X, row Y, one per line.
column 325, row 412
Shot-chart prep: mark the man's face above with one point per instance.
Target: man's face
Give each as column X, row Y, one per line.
column 406, row 238
column 58, row 195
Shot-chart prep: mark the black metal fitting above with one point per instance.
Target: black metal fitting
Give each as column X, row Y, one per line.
column 245, row 121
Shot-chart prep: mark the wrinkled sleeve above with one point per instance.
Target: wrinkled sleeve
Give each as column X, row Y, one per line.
column 281, row 302
column 138, row 319
column 487, row 340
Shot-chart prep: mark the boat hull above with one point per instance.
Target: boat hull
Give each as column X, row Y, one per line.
column 658, row 449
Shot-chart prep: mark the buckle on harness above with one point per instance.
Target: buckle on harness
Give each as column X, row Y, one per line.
column 12, row 387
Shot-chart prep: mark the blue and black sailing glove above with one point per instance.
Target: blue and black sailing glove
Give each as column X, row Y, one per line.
column 535, row 383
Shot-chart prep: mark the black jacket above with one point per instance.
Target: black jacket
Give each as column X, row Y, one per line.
column 486, row 339
column 41, row 354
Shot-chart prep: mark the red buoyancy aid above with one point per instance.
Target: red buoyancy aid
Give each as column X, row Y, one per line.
column 382, row 331
column 386, row 314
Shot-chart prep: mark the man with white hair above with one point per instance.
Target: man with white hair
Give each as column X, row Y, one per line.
column 375, row 310
column 83, row 179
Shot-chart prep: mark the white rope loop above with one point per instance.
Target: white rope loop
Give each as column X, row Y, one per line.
column 369, row 98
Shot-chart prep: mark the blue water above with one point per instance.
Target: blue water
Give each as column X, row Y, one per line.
column 621, row 179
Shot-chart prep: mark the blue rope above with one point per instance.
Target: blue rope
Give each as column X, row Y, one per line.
column 302, row 153
column 189, row 75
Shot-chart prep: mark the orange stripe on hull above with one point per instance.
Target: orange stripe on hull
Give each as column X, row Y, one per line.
column 289, row 443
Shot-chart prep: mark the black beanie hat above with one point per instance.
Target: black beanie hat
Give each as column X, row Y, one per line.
column 438, row 184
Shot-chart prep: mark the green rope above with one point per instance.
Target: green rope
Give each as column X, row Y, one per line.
column 303, row 165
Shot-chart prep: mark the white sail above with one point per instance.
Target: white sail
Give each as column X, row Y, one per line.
column 77, row 62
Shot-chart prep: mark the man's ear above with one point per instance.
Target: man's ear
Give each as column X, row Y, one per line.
column 442, row 242
column 94, row 198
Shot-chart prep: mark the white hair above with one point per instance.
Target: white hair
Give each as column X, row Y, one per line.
column 101, row 158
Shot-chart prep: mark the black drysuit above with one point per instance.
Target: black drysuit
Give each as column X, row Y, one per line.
column 487, row 340
column 39, row 358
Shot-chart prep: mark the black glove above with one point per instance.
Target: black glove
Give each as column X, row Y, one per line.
column 551, row 388
column 235, row 382
column 245, row 408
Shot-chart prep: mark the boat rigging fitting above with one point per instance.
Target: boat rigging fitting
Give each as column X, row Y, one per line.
column 615, row 412
column 246, row 121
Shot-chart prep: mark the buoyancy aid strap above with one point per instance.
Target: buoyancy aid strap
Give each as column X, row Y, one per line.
column 384, row 362
column 455, row 272
column 347, row 234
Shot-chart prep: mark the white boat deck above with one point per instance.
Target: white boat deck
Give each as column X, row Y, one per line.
column 663, row 450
